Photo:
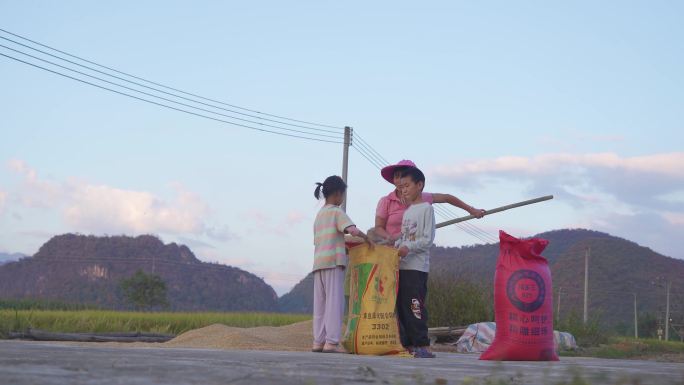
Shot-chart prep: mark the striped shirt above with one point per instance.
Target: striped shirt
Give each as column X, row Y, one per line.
column 329, row 228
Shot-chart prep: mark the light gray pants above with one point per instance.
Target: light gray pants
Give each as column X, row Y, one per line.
column 328, row 306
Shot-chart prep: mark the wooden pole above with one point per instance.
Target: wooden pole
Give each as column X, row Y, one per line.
column 667, row 313
column 586, row 284
column 496, row 210
column 636, row 325
column 345, row 160
column 560, row 290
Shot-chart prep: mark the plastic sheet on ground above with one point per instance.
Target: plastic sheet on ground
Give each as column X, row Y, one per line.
column 479, row 336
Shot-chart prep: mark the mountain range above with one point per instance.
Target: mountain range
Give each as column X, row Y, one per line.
column 618, row 269
column 88, row 269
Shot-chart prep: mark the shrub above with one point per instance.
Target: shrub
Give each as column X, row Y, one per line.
column 457, row 302
column 589, row 334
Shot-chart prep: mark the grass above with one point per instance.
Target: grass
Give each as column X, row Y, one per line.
column 102, row 321
column 41, row 304
column 570, row 376
column 630, row 348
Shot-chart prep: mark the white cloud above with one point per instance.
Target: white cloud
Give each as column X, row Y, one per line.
column 3, row 198
column 107, row 209
column 294, row 217
column 669, row 165
column 93, row 208
column 674, row 218
column 268, row 224
column 35, row 193
column 581, row 178
column 220, row 233
column 634, row 196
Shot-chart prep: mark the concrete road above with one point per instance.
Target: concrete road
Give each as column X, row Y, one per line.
column 23, row 363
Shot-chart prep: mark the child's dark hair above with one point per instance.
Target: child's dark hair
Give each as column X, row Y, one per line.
column 330, row 185
column 414, row 173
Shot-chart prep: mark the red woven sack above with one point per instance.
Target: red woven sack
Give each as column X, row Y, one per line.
column 523, row 302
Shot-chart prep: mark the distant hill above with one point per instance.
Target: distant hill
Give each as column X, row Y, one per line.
column 9, row 257
column 300, row 298
column 617, row 268
column 88, row 269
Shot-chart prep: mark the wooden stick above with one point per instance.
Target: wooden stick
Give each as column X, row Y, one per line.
column 496, row 210
column 446, row 331
column 40, row 335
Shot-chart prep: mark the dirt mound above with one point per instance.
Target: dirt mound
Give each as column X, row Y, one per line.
column 294, row 337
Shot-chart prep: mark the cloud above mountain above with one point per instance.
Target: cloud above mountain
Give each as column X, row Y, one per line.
column 3, row 198
column 633, row 196
column 99, row 208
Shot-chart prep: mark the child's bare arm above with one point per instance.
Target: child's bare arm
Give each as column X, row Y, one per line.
column 353, row 230
column 454, row 201
column 379, row 228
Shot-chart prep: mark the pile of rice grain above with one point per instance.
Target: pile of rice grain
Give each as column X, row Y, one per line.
column 294, row 337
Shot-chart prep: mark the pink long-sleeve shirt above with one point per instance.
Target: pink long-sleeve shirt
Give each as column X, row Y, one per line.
column 391, row 209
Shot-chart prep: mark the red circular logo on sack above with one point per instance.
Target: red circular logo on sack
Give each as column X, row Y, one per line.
column 526, row 290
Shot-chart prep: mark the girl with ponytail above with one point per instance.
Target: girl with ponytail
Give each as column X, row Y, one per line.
column 330, row 260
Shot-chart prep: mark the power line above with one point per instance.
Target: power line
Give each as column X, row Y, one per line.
column 440, row 211
column 472, row 227
column 377, row 160
column 479, row 234
column 339, row 134
column 367, row 157
column 380, row 160
column 167, row 87
column 483, row 234
column 472, row 233
column 169, row 107
column 366, row 151
column 166, row 99
column 364, row 148
column 384, row 161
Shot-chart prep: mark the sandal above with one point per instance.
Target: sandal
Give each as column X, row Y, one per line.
column 317, row 348
column 333, row 348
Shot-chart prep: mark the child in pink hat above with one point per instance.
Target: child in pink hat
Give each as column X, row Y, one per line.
column 390, row 209
column 388, row 229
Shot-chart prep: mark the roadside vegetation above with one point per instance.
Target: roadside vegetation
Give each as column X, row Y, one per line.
column 41, row 304
column 457, row 302
column 631, row 348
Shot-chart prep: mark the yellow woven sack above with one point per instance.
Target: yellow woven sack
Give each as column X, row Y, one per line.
column 371, row 323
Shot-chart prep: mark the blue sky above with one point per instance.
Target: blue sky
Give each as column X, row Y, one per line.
column 496, row 101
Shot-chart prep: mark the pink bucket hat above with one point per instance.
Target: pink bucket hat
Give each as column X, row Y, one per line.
column 388, row 171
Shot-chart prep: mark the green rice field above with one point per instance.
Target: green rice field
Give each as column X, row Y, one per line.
column 103, row 321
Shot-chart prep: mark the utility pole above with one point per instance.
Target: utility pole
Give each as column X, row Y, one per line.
column 345, row 160
column 560, row 290
column 667, row 313
column 586, row 282
column 636, row 325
